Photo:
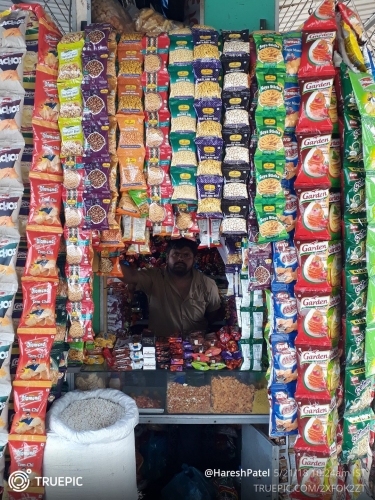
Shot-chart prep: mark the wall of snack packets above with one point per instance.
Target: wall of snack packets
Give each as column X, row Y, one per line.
column 270, row 182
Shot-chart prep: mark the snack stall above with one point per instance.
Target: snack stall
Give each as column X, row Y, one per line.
column 257, row 145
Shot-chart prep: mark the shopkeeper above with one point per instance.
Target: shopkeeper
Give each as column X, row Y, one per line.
column 181, row 299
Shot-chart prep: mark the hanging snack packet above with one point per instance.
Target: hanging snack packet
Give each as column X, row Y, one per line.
column 352, row 49
column 42, row 255
column 11, row 112
column 70, row 61
column 11, row 70
column 315, row 103
column 80, row 315
column 46, row 105
column 359, row 390
column 6, row 342
column 13, row 29
column 269, row 49
column 46, row 152
column 285, row 263
column 238, row 100
column 182, row 82
column 181, row 49
column 289, row 217
column 8, row 256
column 355, row 231
column 364, row 89
column 183, row 116
column 283, row 410
column 27, row 454
column 45, row 206
column 10, row 163
column 131, row 163
column 186, row 225
column 34, row 362
column 353, row 20
column 268, row 215
column 291, row 161
column 334, row 169
column 270, row 97
column 322, row 19
column 318, row 371
column 7, row 294
column 292, row 51
column 30, row 404
column 292, row 99
column 5, row 390
column 130, row 47
column 209, row 196
column 184, row 150
column 357, row 428
column 361, row 304
column 317, row 54
column 319, row 317
column 184, row 185
column 39, row 307
column 370, row 197
column 270, row 132
column 284, row 369
column 333, row 113
column 354, row 331
column 284, row 309
column 368, row 139
column 269, row 175
column 10, row 205
column 95, row 69
column 319, row 264
column 72, row 138
column 235, row 214
column 70, row 96
column 314, row 161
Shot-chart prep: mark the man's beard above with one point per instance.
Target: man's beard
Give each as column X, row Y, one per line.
column 179, row 269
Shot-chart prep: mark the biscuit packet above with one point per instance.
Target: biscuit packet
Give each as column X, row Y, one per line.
column 34, row 361
column 317, row 423
column 283, row 410
column 285, row 262
column 285, row 309
column 30, row 404
column 269, row 50
column 39, row 308
column 284, row 359
column 314, row 160
column 42, row 255
column 319, row 315
column 292, row 51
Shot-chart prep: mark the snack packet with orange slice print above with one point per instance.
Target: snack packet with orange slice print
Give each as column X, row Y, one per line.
column 317, row 51
column 315, row 102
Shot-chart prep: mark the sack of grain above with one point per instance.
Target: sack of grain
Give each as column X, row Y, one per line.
column 91, row 435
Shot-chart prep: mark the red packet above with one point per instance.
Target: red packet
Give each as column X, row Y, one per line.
column 314, row 154
column 38, row 314
column 34, row 361
column 319, row 214
column 316, row 474
column 323, row 18
column 30, row 404
column 45, row 205
column 318, row 371
column 26, row 453
column 319, row 317
column 317, row 51
column 320, row 264
column 315, row 102
column 36, row 493
column 43, row 250
column 317, row 423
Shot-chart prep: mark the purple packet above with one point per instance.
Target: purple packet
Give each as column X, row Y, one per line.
column 260, row 270
column 235, row 175
column 96, row 37
column 209, row 189
column 209, row 148
column 237, row 63
column 94, row 103
column 206, row 70
column 96, row 213
column 188, row 364
column 203, row 36
column 186, row 345
column 208, row 109
column 94, row 70
column 96, row 177
column 96, row 138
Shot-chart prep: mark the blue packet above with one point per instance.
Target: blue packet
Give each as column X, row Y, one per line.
column 291, row 161
column 292, row 101
column 285, row 308
column 285, row 262
column 284, row 357
column 283, row 415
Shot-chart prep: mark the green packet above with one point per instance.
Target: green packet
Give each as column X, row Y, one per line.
column 358, row 389
column 269, row 174
column 370, row 247
column 252, row 351
column 370, row 307
column 354, row 335
column 181, row 82
column 139, row 197
column 354, row 238
column 183, row 116
column 269, row 48
column 75, row 355
column 184, row 185
column 72, row 138
column 268, row 215
column 354, row 191
column 368, row 140
column 270, row 94
column 183, row 41
column 355, row 290
column 370, row 352
column 70, row 60
column 70, row 96
column 350, row 104
column 183, row 150
column 356, row 435
column 364, row 92
column 370, row 197
column 270, row 131
column 353, row 150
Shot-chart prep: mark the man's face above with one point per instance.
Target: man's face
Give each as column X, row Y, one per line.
column 180, row 262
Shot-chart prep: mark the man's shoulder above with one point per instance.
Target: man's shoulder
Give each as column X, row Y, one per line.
column 209, row 282
column 152, row 272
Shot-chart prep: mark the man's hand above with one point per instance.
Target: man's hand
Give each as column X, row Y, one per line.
column 130, row 275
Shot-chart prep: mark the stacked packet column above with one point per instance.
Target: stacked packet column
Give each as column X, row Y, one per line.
column 358, row 416
column 133, row 204
column 37, row 326
column 155, row 82
column 317, row 239
column 181, row 105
